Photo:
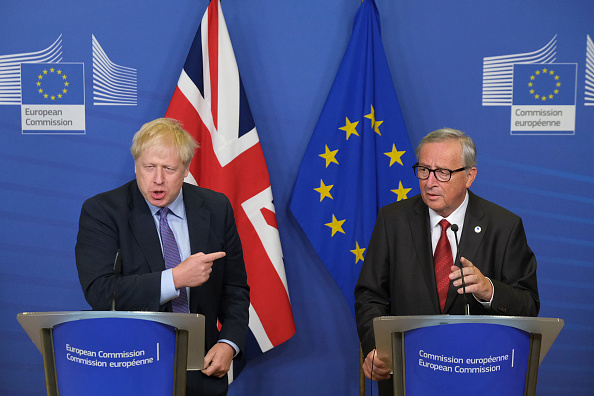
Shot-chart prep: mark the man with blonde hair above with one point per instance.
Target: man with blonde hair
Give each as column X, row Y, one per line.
column 179, row 246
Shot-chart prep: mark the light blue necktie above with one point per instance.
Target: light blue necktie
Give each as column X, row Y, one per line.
column 172, row 259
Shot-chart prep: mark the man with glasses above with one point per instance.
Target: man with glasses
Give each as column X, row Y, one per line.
column 409, row 266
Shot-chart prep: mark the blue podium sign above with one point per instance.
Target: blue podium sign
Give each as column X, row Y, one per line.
column 476, row 358
column 114, row 356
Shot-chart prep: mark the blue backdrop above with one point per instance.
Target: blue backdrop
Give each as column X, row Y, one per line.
column 441, row 56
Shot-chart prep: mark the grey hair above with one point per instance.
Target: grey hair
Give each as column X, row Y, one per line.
column 443, row 134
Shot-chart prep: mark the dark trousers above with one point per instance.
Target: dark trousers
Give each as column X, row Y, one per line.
column 198, row 384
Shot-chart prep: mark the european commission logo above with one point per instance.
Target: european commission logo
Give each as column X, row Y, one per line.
column 543, row 98
column 51, row 93
column 542, row 93
column 52, row 98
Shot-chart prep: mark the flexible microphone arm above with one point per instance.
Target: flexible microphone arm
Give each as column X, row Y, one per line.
column 454, row 228
column 117, row 269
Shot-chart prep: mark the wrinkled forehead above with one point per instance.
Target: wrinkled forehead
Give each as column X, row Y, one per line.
column 441, row 154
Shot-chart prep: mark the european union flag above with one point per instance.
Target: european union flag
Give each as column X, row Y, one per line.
column 358, row 159
column 52, row 84
column 538, row 84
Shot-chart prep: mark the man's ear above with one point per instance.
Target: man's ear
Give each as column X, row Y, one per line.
column 470, row 176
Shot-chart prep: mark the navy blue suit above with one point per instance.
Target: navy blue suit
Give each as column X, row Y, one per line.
column 121, row 219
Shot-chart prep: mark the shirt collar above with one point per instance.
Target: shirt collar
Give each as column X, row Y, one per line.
column 177, row 207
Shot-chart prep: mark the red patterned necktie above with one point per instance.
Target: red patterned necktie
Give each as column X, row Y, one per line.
column 172, row 259
column 442, row 259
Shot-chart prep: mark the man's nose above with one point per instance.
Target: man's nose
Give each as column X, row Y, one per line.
column 159, row 176
column 431, row 180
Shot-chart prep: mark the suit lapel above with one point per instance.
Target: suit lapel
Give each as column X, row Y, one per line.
column 198, row 217
column 143, row 228
column 475, row 225
column 198, row 220
column 419, row 225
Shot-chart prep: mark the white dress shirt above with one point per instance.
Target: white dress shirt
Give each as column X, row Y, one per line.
column 456, row 217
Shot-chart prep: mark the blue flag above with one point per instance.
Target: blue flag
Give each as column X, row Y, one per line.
column 359, row 157
column 542, row 84
column 52, row 83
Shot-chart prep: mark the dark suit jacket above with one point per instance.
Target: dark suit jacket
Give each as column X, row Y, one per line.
column 398, row 277
column 121, row 219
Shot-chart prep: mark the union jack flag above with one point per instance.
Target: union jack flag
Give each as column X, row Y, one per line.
column 210, row 102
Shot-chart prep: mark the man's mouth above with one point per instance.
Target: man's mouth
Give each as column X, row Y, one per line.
column 158, row 194
column 432, row 194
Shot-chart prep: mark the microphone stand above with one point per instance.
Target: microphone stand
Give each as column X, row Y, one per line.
column 454, row 228
column 117, row 269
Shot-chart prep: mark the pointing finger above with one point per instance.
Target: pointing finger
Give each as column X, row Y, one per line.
column 214, row 256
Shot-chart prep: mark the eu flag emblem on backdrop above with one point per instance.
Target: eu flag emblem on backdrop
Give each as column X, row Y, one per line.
column 359, row 157
column 538, row 84
column 52, row 84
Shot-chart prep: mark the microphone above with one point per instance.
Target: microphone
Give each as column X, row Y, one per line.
column 117, row 270
column 454, row 228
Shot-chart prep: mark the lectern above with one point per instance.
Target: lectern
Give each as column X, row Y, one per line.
column 451, row 354
column 115, row 352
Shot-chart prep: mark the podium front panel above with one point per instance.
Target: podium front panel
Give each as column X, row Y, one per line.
column 114, row 356
column 467, row 358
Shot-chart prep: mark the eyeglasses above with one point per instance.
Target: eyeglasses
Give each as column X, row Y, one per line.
column 442, row 175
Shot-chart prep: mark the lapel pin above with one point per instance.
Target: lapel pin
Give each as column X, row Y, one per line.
column 477, row 229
